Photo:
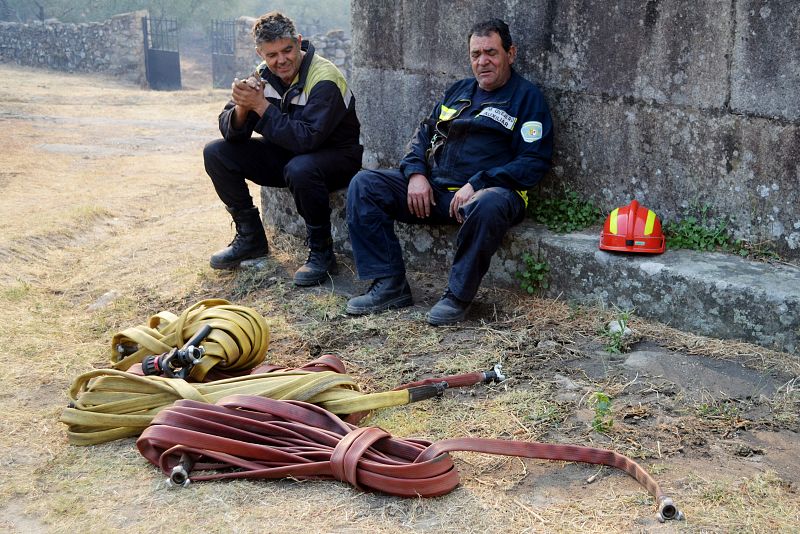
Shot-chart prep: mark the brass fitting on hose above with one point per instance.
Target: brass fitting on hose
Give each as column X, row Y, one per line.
column 668, row 511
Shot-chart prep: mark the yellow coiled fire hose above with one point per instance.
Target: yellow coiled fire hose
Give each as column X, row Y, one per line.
column 109, row 404
column 238, row 340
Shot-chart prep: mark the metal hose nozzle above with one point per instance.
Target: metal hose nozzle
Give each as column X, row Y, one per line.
column 668, row 511
column 179, row 477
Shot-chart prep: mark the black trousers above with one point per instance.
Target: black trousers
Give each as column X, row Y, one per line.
column 310, row 177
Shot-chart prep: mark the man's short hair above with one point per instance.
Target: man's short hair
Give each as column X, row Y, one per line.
column 483, row 29
column 273, row 26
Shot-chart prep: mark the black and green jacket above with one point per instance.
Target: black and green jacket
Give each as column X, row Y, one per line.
column 317, row 111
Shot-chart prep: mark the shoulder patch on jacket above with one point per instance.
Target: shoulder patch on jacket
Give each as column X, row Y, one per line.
column 531, row 131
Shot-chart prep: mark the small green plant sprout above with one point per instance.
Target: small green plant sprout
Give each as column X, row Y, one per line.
column 617, row 333
column 567, row 213
column 603, row 419
column 711, row 408
column 697, row 230
column 534, row 276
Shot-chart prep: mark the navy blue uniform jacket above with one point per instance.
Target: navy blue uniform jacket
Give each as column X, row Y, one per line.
column 507, row 142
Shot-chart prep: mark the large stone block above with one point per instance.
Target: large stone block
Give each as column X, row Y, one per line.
column 718, row 295
column 766, row 58
column 664, row 51
column 440, row 32
column 379, row 33
column 390, row 106
column 278, row 211
column 677, row 159
column 433, row 34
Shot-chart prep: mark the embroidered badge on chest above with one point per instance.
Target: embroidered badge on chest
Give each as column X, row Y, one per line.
column 500, row 116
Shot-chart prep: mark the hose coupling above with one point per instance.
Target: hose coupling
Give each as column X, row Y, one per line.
column 179, row 477
column 668, row 511
column 178, row 363
column 494, row 375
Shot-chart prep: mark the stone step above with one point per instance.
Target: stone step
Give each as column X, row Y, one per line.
column 713, row 294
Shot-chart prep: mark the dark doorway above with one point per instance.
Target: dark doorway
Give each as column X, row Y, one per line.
column 162, row 59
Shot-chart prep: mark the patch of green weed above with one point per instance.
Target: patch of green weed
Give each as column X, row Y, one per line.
column 534, row 276
column 603, row 419
column 566, row 213
column 697, row 230
column 714, row 409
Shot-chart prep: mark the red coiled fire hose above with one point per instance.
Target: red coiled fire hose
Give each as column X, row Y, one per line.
column 245, row 436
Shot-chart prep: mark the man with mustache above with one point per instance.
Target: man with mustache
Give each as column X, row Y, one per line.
column 487, row 142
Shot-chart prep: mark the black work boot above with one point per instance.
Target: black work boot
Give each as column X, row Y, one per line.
column 449, row 310
column 384, row 294
column 321, row 260
column 250, row 241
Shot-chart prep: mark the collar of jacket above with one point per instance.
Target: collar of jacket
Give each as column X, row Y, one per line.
column 300, row 79
column 500, row 95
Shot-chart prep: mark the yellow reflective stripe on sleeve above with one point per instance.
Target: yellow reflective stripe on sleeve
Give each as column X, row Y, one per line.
column 612, row 227
column 648, row 225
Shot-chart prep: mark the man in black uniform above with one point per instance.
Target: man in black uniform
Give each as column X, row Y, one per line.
column 304, row 110
column 487, row 141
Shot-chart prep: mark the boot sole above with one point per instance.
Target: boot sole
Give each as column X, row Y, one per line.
column 399, row 302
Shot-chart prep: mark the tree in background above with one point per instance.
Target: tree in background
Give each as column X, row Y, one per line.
column 311, row 16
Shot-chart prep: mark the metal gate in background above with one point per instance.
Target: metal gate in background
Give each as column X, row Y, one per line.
column 223, row 62
column 162, row 59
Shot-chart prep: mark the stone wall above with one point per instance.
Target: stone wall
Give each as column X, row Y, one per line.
column 333, row 45
column 115, row 46
column 678, row 104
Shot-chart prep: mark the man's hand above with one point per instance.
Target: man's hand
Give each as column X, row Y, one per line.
column 461, row 197
column 420, row 196
column 249, row 95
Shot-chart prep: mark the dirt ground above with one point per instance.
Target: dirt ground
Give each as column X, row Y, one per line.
column 109, row 218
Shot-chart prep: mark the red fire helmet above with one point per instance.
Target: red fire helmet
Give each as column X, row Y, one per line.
column 633, row 228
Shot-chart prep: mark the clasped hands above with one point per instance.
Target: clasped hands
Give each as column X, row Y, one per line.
column 249, row 95
column 420, row 197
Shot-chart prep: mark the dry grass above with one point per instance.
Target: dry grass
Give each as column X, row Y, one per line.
column 111, row 218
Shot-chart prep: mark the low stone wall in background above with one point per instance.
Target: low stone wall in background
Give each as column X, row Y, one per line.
column 114, row 46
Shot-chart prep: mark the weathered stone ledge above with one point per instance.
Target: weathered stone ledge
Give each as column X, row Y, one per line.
column 713, row 294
